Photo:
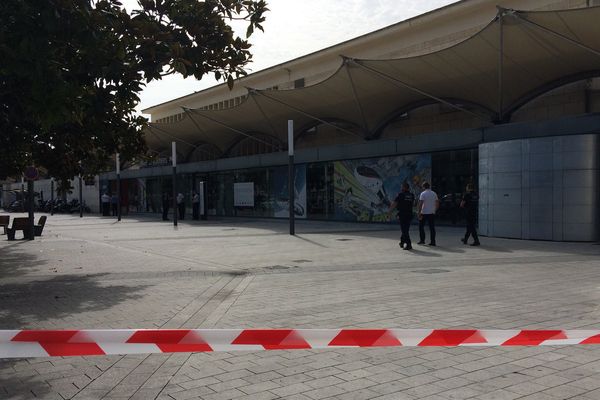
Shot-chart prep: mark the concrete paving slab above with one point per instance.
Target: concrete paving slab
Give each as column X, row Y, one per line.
column 230, row 273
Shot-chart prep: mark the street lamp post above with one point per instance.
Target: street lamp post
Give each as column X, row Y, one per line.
column 51, row 196
column 22, row 194
column 30, row 208
column 80, row 193
column 118, row 187
column 174, row 162
column 291, row 180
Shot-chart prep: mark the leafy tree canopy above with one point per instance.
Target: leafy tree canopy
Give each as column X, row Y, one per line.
column 71, row 72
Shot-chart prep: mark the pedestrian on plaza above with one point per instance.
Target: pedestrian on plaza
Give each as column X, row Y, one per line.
column 196, row 206
column 470, row 202
column 135, row 203
column 114, row 201
column 427, row 207
column 404, row 203
column 181, row 205
column 105, row 199
column 166, row 204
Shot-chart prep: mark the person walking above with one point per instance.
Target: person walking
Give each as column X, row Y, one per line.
column 105, row 199
column 181, row 205
column 404, row 203
column 427, row 207
column 166, row 204
column 196, row 206
column 470, row 202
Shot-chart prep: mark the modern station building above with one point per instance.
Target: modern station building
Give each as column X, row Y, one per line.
column 503, row 96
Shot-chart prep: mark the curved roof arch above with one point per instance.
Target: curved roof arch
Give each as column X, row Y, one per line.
column 208, row 150
column 545, row 88
column 395, row 114
column 334, row 122
column 264, row 142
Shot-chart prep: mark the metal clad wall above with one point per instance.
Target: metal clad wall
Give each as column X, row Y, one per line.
column 542, row 188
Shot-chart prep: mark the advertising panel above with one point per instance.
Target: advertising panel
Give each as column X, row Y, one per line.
column 364, row 189
column 243, row 194
column 281, row 193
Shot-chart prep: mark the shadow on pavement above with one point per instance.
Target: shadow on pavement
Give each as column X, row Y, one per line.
column 310, row 241
column 52, row 304
column 422, row 253
column 495, row 249
column 31, row 304
column 15, row 260
column 447, row 249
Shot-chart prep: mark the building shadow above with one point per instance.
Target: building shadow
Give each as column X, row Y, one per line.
column 16, row 262
column 37, row 304
column 60, row 302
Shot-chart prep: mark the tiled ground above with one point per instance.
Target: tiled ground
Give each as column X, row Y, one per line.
column 94, row 273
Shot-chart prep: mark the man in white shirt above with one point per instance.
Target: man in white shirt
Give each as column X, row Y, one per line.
column 427, row 207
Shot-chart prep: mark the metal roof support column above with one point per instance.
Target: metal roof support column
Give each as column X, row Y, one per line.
column 405, row 85
column 307, row 114
column 355, row 95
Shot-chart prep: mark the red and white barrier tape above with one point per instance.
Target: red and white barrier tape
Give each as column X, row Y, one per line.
column 44, row 343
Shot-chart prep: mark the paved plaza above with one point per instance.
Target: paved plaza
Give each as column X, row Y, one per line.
column 95, row 273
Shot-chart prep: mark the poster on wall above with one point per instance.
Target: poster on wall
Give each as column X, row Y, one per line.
column 365, row 189
column 243, row 194
column 281, row 193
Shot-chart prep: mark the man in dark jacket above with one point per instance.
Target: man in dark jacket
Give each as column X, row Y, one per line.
column 166, row 203
column 470, row 202
column 404, row 203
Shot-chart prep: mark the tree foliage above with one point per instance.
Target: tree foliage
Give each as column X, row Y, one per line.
column 71, row 72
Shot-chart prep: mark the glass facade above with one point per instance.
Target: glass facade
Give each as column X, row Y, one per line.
column 348, row 190
column 451, row 172
column 320, row 192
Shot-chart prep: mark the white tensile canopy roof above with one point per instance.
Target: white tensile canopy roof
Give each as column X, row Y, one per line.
column 515, row 58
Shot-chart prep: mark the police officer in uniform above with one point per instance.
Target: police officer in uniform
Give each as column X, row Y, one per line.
column 470, row 202
column 404, row 203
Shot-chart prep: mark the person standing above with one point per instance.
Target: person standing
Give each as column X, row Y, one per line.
column 166, row 204
column 114, row 201
column 196, row 206
column 105, row 199
column 427, row 207
column 181, row 205
column 470, row 203
column 404, row 203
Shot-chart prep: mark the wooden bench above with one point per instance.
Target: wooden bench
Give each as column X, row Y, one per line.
column 4, row 222
column 18, row 224
column 39, row 227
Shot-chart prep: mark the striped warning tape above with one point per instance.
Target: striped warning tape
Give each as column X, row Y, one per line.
column 44, row 343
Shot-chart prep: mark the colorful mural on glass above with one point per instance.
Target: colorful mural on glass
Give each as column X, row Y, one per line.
column 281, row 195
column 364, row 189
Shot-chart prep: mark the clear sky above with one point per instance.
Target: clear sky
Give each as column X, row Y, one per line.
column 297, row 27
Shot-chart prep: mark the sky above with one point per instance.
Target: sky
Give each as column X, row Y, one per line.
column 297, row 27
